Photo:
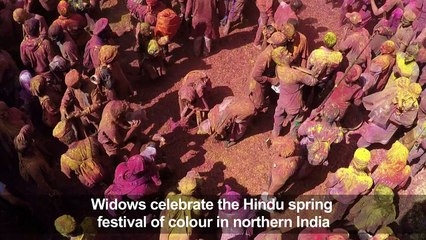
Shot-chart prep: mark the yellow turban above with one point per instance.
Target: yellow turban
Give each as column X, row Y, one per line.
column 63, row 8
column 383, row 194
column 62, row 128
column 289, row 30
column 107, row 54
column 144, row 28
column 153, row 47
column 330, row 39
column 65, row 225
column 36, row 85
column 361, row 158
column 415, row 89
column 397, row 153
column 187, row 185
column 409, row 15
column 281, row 56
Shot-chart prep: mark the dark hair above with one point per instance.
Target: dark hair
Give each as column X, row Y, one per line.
column 55, row 32
column 32, row 26
column 2, row 5
column 296, row 5
column 105, row 77
column 105, row 34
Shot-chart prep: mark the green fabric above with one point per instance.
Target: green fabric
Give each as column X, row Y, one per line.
column 153, row 48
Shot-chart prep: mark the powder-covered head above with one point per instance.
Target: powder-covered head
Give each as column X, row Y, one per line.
column 388, row 47
column 65, row 132
column 330, row 39
column 100, row 26
column 354, row 73
column 397, row 153
column 230, row 196
column 354, row 18
column 25, row 80
column 63, row 8
column 277, row 38
column 330, row 113
column 72, row 78
column 108, row 54
column 65, row 225
column 20, row 15
column 383, row 194
column 361, row 158
column 281, row 56
column 187, row 185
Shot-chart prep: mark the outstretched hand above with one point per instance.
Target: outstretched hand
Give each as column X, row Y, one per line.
column 135, row 123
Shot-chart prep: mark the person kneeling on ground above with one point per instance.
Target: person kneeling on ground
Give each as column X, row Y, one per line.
column 136, row 178
column 229, row 120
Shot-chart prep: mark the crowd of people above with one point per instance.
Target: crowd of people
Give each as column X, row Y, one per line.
column 64, row 93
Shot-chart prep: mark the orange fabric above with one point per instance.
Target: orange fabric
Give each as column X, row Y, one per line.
column 108, row 54
column 72, row 78
column 168, row 23
column 63, row 8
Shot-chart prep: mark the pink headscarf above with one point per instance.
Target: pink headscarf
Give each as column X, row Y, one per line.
column 25, row 80
column 230, row 196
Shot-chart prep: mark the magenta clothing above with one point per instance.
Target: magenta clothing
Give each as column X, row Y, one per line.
column 205, row 21
column 43, row 25
column 395, row 18
column 383, row 111
column 91, row 52
column 318, row 137
column 344, row 95
column 372, row 133
column 384, row 119
column 233, row 232
column 360, row 6
column 346, row 184
column 420, row 23
column 354, row 43
column 36, row 53
column 283, row 14
column 143, row 12
column 264, row 19
column 391, row 23
column 74, row 25
column 135, row 178
column 235, row 8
